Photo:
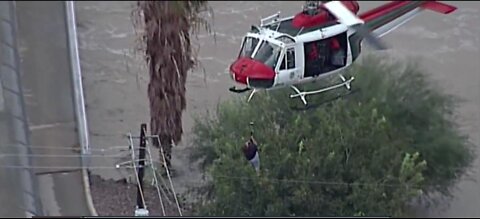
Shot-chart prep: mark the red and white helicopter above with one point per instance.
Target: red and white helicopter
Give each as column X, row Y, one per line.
column 322, row 40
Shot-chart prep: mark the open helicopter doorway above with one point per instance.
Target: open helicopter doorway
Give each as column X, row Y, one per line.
column 325, row 55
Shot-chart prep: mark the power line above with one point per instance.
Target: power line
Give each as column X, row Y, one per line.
column 167, row 198
column 294, row 181
column 135, row 170
column 59, row 147
column 59, row 167
column 166, row 169
column 154, row 170
column 168, row 174
column 141, row 202
column 118, row 155
column 117, row 166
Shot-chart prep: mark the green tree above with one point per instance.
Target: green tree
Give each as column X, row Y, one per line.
column 369, row 153
column 166, row 28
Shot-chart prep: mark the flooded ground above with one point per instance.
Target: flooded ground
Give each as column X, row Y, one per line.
column 115, row 79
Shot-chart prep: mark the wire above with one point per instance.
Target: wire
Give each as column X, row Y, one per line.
column 126, row 162
column 118, row 155
column 135, row 169
column 154, row 170
column 168, row 175
column 165, row 193
column 224, row 176
column 59, row 167
column 117, row 166
column 52, row 147
column 293, row 181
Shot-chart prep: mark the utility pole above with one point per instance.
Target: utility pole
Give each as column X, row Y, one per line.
column 141, row 209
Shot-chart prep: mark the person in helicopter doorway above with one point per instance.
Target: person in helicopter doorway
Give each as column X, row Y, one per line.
column 250, row 149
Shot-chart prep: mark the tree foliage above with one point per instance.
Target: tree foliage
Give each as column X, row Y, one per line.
column 369, row 153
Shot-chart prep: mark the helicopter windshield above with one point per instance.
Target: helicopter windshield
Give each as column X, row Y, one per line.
column 268, row 54
column 248, row 47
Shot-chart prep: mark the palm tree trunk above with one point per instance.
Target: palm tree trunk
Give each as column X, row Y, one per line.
column 166, row 42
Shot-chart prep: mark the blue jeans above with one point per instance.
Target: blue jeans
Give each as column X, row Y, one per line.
column 255, row 161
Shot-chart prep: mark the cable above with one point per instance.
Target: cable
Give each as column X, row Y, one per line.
column 52, row 147
column 167, row 198
column 332, row 183
column 117, row 166
column 126, row 162
column 58, row 167
column 223, row 176
column 154, row 170
column 168, row 175
column 118, row 155
column 135, row 169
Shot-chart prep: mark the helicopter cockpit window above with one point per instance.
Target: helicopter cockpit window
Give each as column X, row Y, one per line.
column 249, row 45
column 283, row 66
column 268, row 54
column 288, row 61
column 285, row 39
column 290, row 58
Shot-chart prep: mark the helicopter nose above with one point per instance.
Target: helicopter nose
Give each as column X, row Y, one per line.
column 253, row 73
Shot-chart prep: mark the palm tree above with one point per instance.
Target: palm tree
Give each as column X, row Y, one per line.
column 166, row 28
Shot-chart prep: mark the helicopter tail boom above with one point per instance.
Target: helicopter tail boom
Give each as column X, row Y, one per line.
column 439, row 7
column 385, row 18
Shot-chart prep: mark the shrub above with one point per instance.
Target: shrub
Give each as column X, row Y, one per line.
column 368, row 153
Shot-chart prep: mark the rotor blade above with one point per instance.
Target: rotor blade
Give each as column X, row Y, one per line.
column 342, row 13
column 345, row 16
column 369, row 37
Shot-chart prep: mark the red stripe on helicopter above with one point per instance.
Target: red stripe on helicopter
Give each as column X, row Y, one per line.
column 439, row 7
column 382, row 10
column 245, row 67
column 389, row 7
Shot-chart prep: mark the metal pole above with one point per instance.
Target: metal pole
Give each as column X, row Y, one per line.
column 79, row 99
column 141, row 210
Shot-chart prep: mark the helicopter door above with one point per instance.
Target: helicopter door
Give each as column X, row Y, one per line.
column 288, row 69
column 325, row 55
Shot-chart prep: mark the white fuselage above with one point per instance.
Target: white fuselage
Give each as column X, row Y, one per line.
column 284, row 78
column 296, row 75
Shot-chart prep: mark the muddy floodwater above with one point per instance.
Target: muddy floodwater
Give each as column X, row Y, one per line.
column 115, row 77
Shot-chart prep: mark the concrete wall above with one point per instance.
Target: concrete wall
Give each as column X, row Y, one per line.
column 14, row 106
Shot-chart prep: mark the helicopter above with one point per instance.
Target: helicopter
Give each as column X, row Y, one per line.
column 323, row 39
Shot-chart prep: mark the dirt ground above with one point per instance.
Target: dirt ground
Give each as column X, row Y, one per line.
column 118, row 198
column 117, row 102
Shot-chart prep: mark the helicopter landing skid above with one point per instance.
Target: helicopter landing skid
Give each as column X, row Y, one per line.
column 236, row 90
column 316, row 105
column 303, row 94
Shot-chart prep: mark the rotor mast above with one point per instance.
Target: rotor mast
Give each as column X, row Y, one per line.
column 311, row 7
